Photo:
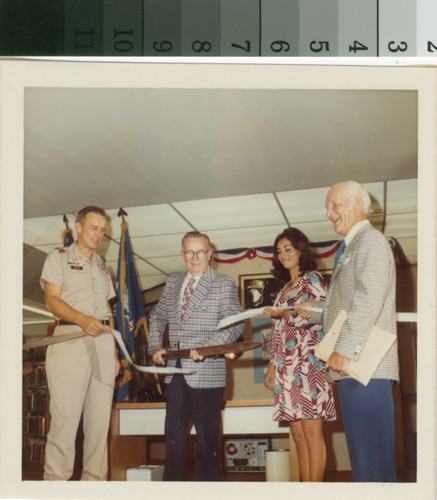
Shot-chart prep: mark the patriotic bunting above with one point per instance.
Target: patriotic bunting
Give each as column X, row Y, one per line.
column 321, row 251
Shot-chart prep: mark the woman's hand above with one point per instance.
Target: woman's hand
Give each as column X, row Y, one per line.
column 269, row 379
column 276, row 313
column 303, row 312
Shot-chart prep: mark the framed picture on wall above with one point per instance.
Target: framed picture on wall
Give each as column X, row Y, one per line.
column 257, row 290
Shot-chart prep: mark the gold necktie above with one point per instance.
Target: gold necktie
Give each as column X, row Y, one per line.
column 186, row 296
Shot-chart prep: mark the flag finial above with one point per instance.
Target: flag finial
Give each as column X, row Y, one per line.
column 122, row 213
column 67, row 235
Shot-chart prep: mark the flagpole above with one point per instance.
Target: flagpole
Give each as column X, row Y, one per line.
column 130, row 309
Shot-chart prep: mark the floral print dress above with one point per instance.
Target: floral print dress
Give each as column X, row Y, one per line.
column 301, row 390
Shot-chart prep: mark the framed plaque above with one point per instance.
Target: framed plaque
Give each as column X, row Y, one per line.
column 257, row 290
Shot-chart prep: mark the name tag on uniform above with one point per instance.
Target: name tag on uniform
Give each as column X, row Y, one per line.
column 75, row 266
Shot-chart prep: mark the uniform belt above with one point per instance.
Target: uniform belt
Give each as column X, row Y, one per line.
column 61, row 322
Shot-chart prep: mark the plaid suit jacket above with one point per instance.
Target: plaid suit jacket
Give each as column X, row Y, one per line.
column 214, row 298
column 364, row 285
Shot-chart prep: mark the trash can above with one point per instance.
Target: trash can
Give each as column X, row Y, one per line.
column 278, row 465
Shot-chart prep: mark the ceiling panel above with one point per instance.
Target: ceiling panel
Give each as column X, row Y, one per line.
column 169, row 264
column 157, row 255
column 149, row 220
column 147, row 282
column 45, row 230
column 308, row 205
column 402, row 196
column 401, row 225
column 143, row 268
column 318, row 231
column 157, row 246
column 304, row 205
column 232, row 212
column 245, row 237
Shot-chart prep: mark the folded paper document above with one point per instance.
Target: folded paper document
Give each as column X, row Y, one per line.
column 377, row 345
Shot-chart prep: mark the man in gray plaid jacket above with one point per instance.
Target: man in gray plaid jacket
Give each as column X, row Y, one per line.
column 192, row 304
column 363, row 284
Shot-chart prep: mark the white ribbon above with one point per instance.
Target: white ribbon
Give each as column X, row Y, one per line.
column 251, row 313
column 406, row 317
column 117, row 335
column 147, row 369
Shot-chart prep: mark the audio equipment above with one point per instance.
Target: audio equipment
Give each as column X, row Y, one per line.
column 245, row 454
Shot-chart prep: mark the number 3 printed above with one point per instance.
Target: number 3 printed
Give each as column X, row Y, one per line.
column 401, row 47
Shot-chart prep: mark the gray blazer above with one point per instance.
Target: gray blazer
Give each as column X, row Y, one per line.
column 364, row 285
column 214, row 298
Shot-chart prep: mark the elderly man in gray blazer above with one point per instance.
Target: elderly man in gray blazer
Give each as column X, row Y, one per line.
column 363, row 283
column 192, row 304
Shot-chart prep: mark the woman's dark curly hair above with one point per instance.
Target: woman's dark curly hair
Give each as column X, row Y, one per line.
column 299, row 241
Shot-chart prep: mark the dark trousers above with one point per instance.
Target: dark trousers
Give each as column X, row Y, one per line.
column 204, row 406
column 368, row 421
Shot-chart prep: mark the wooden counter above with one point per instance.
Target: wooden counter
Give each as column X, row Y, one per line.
column 147, row 419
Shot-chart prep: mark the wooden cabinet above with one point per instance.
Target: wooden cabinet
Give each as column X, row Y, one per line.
column 133, row 423
column 124, row 451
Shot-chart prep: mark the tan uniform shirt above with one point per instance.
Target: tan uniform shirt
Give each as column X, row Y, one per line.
column 85, row 285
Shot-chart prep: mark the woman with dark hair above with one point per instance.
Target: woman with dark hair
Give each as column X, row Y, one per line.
column 302, row 396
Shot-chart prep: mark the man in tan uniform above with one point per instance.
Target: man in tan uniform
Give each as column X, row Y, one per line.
column 81, row 372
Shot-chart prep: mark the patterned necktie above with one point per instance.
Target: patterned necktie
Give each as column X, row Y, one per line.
column 185, row 297
column 339, row 253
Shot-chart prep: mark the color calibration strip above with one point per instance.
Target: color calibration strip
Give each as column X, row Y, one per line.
column 212, row 28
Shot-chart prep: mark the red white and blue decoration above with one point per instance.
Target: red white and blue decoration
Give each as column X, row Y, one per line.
column 321, row 251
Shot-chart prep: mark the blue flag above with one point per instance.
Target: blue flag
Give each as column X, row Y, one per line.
column 129, row 310
column 67, row 237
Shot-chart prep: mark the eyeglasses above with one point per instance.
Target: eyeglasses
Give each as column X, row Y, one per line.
column 288, row 249
column 200, row 253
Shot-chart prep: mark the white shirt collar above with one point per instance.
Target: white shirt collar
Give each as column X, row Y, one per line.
column 354, row 230
column 188, row 276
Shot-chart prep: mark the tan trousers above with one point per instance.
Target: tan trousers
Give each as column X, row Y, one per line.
column 80, row 376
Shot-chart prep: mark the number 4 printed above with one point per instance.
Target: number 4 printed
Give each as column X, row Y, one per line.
column 357, row 46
